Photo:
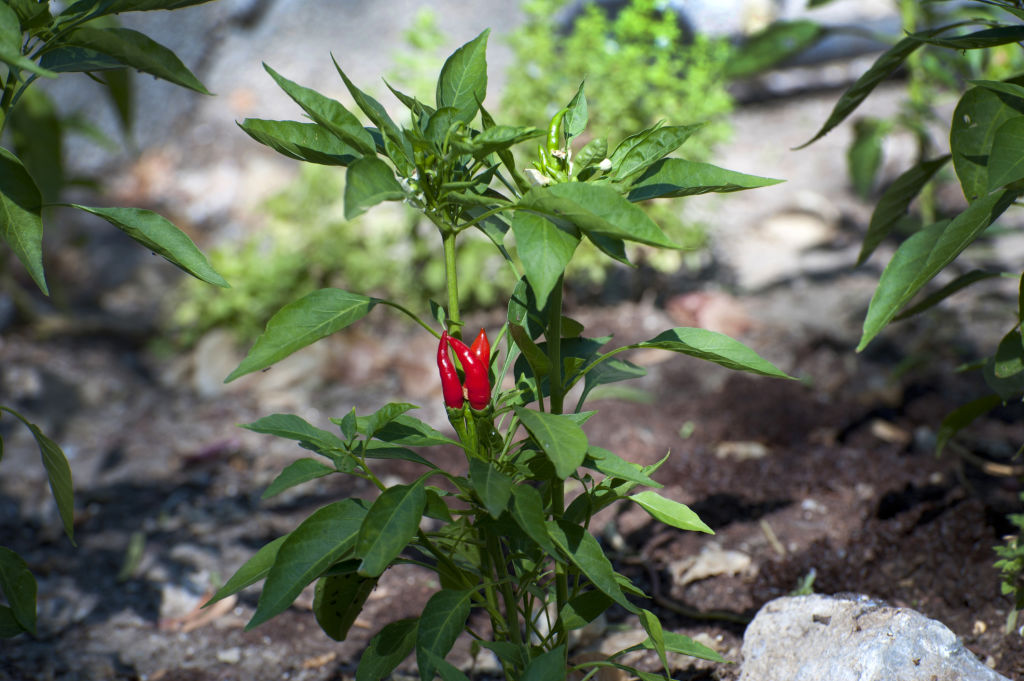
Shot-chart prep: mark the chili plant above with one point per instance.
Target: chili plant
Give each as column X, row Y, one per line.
column 501, row 534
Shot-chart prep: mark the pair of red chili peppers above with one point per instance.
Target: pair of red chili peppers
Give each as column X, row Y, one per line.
column 475, row 360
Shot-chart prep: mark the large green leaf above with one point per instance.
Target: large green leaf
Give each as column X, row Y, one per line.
column 159, row 235
column 296, row 428
column 610, row 371
column 390, row 525
column 678, row 643
column 411, row 432
column 596, row 209
column 714, row 347
column 136, row 50
column 19, row 588
column 252, row 571
column 674, row 177
column 780, row 40
column 933, row 299
column 559, row 436
column 492, row 486
column 1006, row 162
column 575, row 120
column 337, row 601
column 311, row 548
column 548, row 666
column 369, row 181
column 296, row 473
column 893, row 204
column 37, row 135
column 653, row 147
column 301, row 141
column 497, row 138
column 670, row 512
column 925, row 254
column 102, row 7
column 328, row 113
column 398, row 147
column 614, row 466
column 1009, row 358
column 581, row 610
column 443, row 619
column 979, row 113
column 655, row 634
column 302, row 322
column 989, row 37
column 544, row 249
column 580, row 547
column 10, row 43
column 462, row 83
column 528, row 512
column 387, row 649
column 21, row 224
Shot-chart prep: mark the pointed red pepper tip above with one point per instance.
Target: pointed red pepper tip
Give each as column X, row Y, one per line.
column 481, row 347
column 451, row 387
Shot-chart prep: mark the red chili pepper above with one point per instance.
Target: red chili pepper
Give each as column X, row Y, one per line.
column 450, row 384
column 478, row 384
column 481, row 347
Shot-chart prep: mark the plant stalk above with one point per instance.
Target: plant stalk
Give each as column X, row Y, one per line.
column 452, row 282
column 553, row 335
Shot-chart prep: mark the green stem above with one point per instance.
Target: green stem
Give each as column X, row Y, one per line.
column 452, row 282
column 507, row 593
column 412, row 315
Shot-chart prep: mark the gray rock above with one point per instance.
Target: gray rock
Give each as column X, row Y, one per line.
column 809, row 638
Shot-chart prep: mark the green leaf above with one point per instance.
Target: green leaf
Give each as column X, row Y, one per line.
column 302, row 322
column 593, row 152
column 609, row 371
column 31, row 14
column 1006, row 163
column 462, row 84
column 596, row 209
column 302, row 141
column 311, row 548
column 9, row 627
column 136, row 50
column 544, row 250
column 678, row 643
column 383, row 450
column 989, row 37
column 946, row 291
column 864, row 155
column 580, row 547
column 497, row 138
column 368, row 182
column 561, row 439
column 73, row 59
column 713, row 347
column 581, row 610
column 895, row 201
column 159, row 235
column 338, row 600
column 1012, row 89
column 963, row 416
column 528, row 512
column 403, row 153
column 10, row 44
column 443, row 619
column 295, row 428
column 674, row 177
column 411, row 432
column 1008, row 387
column 21, row 223
column 614, row 466
column 387, row 649
column 548, row 666
column 535, row 357
column 925, row 254
column 670, row 512
column 656, row 635
column 492, row 486
column 252, row 571
column 390, row 525
column 652, row 148
column 328, row 113
column 370, row 425
column 19, row 588
column 1009, row 357
column 36, row 133
column 575, row 120
column 101, row 7
column 297, row 473
column 768, row 47
column 978, row 114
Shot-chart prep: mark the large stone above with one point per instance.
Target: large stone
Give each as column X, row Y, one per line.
column 809, row 638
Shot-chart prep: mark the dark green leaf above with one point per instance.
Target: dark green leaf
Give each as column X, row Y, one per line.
column 338, row 600
column 302, row 322
column 390, row 525
column 301, row 141
column 597, row 210
column 498, row 138
column 19, row 588
column 369, row 181
column 492, row 486
column 713, row 347
column 768, row 47
column 1006, row 387
column 1012, row 89
column 387, row 649
column 311, row 548
column 159, row 235
column 581, row 610
column 444, row 616
column 136, row 50
column 36, row 134
column 1009, row 357
column 895, row 201
column 652, row 148
column 21, row 225
column 370, row 425
column 9, row 627
column 73, row 59
column 462, row 84
column 410, row 431
column 328, row 113
column 10, row 43
column 537, row 358
column 673, row 177
column 580, row 547
column 561, row 439
column 297, row 473
column 403, row 156
column 989, row 37
column 864, row 155
column 101, row 7
column 670, row 512
column 614, row 466
column 609, row 371
column 544, row 249
column 31, row 14
column 946, row 291
column 925, row 254
column 528, row 512
column 548, row 666
column 979, row 113
column 120, row 92
column 252, row 571
column 383, row 450
column 963, row 416
column 1006, row 162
